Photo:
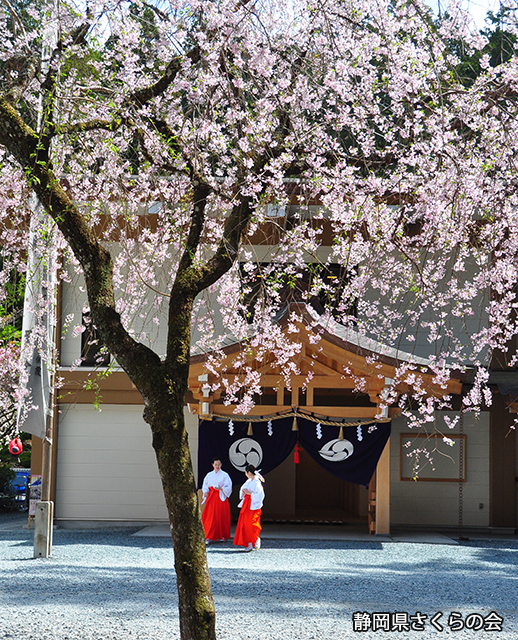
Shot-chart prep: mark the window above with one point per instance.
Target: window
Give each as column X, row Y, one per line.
column 93, row 353
column 296, row 287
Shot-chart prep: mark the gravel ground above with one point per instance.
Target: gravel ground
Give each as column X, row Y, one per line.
column 107, row 585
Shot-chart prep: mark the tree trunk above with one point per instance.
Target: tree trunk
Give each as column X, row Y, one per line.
column 165, row 398
column 162, row 384
column 196, row 606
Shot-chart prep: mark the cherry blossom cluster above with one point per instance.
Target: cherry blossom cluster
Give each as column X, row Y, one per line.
column 347, row 132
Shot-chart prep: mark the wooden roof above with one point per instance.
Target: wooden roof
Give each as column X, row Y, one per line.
column 340, row 360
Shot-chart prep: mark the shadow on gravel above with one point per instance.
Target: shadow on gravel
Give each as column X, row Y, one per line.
column 292, row 577
column 90, row 587
column 63, row 538
column 110, row 538
column 124, row 538
column 282, row 592
column 293, row 545
column 507, row 555
column 288, row 585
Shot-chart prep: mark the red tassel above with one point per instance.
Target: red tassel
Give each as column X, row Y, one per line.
column 296, row 456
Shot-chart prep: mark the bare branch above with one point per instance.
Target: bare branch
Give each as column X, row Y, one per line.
column 15, row 18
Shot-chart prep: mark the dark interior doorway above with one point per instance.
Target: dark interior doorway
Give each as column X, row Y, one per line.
column 319, row 495
column 307, row 492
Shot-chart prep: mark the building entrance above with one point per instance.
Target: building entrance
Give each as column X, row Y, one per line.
column 319, row 495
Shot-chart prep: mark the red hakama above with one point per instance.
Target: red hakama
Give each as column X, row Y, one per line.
column 216, row 517
column 249, row 524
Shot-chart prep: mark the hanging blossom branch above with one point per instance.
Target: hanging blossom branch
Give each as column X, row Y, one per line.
column 332, row 132
column 96, row 260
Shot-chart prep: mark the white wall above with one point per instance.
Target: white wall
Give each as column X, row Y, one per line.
column 415, row 340
column 437, row 503
column 106, row 466
column 141, row 324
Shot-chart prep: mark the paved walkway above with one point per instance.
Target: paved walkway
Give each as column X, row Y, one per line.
column 303, row 531
column 10, row 521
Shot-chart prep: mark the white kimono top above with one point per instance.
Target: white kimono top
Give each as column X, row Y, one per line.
column 220, row 479
column 255, row 486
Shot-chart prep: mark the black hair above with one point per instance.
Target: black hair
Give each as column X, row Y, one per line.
column 216, row 458
column 250, row 468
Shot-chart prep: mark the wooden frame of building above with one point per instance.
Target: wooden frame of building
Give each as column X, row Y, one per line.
column 332, row 364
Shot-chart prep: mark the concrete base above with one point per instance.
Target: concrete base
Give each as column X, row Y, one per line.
column 311, row 532
column 77, row 523
column 43, row 520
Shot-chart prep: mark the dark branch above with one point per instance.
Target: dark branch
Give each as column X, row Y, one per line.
column 144, row 95
column 200, row 194
column 228, row 248
column 89, row 125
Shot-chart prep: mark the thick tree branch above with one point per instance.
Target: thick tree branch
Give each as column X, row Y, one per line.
column 191, row 280
column 136, row 99
column 184, row 289
column 22, row 69
column 15, row 135
column 200, row 194
column 155, row 10
column 76, row 37
column 96, row 261
column 169, row 137
column 228, row 249
column 88, row 125
column 143, row 96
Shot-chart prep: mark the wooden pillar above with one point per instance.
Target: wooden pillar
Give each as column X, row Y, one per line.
column 502, row 483
column 371, row 507
column 383, row 492
column 36, row 455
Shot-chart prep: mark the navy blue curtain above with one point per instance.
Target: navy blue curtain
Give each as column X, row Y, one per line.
column 353, row 458
column 262, row 450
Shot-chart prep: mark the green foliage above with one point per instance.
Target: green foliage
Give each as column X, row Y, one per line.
column 500, row 47
column 11, row 309
column 6, row 475
column 94, row 384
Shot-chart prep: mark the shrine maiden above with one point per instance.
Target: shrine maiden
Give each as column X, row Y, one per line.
column 249, row 523
column 217, row 487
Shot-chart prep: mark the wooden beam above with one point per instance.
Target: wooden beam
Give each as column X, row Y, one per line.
column 332, row 412
column 383, row 492
column 276, row 381
column 115, row 388
column 323, row 368
column 502, row 484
